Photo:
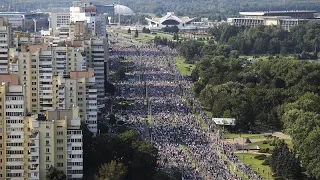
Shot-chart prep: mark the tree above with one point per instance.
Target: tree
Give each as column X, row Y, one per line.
column 136, row 34
column 129, row 31
column 120, row 74
column 112, row 171
column 284, row 163
column 55, row 174
column 310, row 150
column 109, row 88
column 145, row 30
column 112, row 119
column 161, row 176
column 88, row 159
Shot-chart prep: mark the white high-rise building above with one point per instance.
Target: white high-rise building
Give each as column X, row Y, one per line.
column 79, row 88
column 88, row 12
column 5, row 43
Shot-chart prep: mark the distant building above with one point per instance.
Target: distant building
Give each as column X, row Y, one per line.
column 105, row 9
column 58, row 19
column 6, row 42
column 284, row 19
column 26, row 21
column 88, row 12
column 183, row 23
column 123, row 10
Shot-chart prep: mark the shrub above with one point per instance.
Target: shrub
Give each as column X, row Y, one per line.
column 248, row 140
column 266, row 150
column 279, row 178
column 275, row 141
column 266, row 162
column 269, row 136
column 261, row 157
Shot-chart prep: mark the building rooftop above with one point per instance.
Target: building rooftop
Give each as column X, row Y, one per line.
column 123, row 10
column 277, row 13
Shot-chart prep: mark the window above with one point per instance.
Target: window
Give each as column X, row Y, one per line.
column 59, row 141
column 47, row 158
column 59, row 133
column 60, row 164
column 60, row 156
column 59, row 148
column 47, row 166
column 47, row 150
column 47, row 143
column 47, row 135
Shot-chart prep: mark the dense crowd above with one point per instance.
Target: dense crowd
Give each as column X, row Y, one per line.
column 164, row 112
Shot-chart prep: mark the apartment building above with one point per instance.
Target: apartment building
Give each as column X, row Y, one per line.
column 86, row 11
column 60, row 142
column 58, row 19
column 13, row 137
column 5, row 44
column 97, row 58
column 79, row 88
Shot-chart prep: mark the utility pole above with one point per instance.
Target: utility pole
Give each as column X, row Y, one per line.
column 119, row 8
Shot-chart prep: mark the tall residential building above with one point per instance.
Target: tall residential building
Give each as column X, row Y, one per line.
column 5, row 44
column 56, row 140
column 97, row 58
column 58, row 19
column 13, row 134
column 86, row 11
column 37, row 64
column 79, row 88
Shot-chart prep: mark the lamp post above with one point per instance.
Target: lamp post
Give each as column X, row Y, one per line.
column 35, row 24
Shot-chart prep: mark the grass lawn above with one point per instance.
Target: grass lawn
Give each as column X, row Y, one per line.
column 193, row 161
column 232, row 168
column 149, row 119
column 289, row 142
column 255, row 164
column 262, row 146
column 203, row 125
column 253, row 136
column 184, row 68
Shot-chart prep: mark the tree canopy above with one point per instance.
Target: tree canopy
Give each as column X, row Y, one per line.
column 127, row 151
column 302, row 40
column 112, row 171
column 55, row 174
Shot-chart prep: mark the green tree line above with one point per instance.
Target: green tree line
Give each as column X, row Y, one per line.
column 303, row 39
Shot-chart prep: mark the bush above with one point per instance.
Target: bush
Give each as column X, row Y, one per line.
column 265, row 142
column 261, row 157
column 275, row 141
column 248, row 140
column 266, row 150
column 266, row 162
column 269, row 136
column 279, row 178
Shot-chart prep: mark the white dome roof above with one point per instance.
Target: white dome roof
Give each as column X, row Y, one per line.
column 123, row 10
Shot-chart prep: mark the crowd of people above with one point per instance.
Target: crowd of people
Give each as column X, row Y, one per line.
column 164, row 112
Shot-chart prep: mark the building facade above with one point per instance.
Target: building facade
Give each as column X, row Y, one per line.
column 60, row 142
column 283, row 19
column 79, row 88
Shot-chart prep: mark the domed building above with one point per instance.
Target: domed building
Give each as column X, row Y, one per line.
column 123, row 10
column 114, row 9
